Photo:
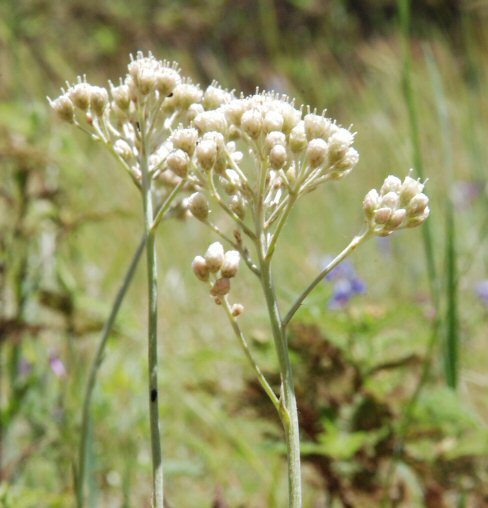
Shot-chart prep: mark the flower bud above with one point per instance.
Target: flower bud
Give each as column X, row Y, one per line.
column 198, row 206
column 178, row 161
column 273, row 121
column 370, row 203
column 391, row 184
column 397, row 218
column 237, row 309
column 166, row 80
column 185, row 139
column 275, row 138
column 410, row 188
column 390, row 200
column 121, row 97
column 215, row 96
column 234, row 111
column 80, row 95
column 64, row 108
column 210, row 121
column 277, row 156
column 417, row 204
column 206, row 153
column 231, row 264
column 221, row 287
column 186, row 94
column 214, row 256
column 291, row 174
column 98, row 100
column 317, row 152
column 200, row 268
column 238, row 206
column 315, row 126
column 251, row 123
column 123, row 150
column 382, row 215
column 146, row 81
column 298, row 138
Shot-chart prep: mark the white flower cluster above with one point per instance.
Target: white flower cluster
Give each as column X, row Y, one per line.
column 149, row 103
column 217, row 267
column 398, row 205
column 262, row 148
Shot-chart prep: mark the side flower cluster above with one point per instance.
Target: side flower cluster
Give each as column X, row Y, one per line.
column 217, row 267
column 397, row 205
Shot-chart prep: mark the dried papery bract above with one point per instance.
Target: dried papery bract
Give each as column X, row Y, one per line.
column 256, row 157
column 135, row 120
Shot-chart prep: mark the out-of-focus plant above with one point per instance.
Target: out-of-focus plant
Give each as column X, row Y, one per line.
column 256, row 157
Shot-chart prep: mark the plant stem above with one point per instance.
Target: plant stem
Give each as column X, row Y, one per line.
column 288, row 409
column 355, row 242
column 97, row 361
column 247, row 351
column 152, row 281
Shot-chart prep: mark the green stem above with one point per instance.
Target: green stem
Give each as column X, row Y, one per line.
column 97, row 361
column 247, row 351
column 152, row 280
column 356, row 241
column 288, row 406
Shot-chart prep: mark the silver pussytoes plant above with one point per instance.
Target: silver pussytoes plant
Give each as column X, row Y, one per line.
column 256, row 157
column 253, row 158
column 134, row 120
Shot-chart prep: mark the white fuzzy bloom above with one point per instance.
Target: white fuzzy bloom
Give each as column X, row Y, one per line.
column 200, row 268
column 215, row 96
column 252, row 123
column 273, row 121
column 230, row 266
column 275, row 138
column 317, row 150
column 178, row 162
column 198, row 205
column 80, row 95
column 185, row 139
column 214, row 257
column 63, row 106
column 186, row 94
column 277, row 156
column 206, row 153
column 298, row 138
column 98, row 99
column 211, row 121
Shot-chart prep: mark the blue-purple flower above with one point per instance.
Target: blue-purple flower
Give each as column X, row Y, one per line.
column 345, row 284
column 481, row 290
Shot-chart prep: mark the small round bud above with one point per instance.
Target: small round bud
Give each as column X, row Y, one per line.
column 221, row 287
column 238, row 206
column 234, row 111
column 410, row 188
column 291, row 174
column 252, row 122
column 390, row 200
column 339, row 144
column 273, row 121
column 277, row 156
column 315, row 126
column 214, row 256
column 370, row 203
column 198, row 206
column 166, row 80
column 210, row 121
column 206, row 153
column 121, row 96
column 291, row 116
column 80, row 95
column 185, row 139
column 382, row 215
column 193, row 111
column 98, row 100
column 298, row 138
column 186, row 94
column 200, row 268
column 146, row 81
column 123, row 150
column 237, row 309
column 64, row 108
column 317, row 152
column 215, row 96
column 417, row 204
column 397, row 218
column 391, row 184
column 178, row 161
column 231, row 264
column 275, row 138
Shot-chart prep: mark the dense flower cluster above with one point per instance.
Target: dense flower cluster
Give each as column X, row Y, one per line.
column 397, row 205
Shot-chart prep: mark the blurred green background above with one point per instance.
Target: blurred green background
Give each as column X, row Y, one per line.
column 393, row 384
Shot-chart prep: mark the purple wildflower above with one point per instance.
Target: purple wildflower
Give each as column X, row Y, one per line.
column 481, row 290
column 57, row 366
column 345, row 284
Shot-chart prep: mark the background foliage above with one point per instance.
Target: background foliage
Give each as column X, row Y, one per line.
column 392, row 384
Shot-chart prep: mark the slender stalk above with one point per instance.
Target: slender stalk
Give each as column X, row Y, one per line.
column 97, row 361
column 356, row 241
column 247, row 351
column 288, row 410
column 152, row 280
